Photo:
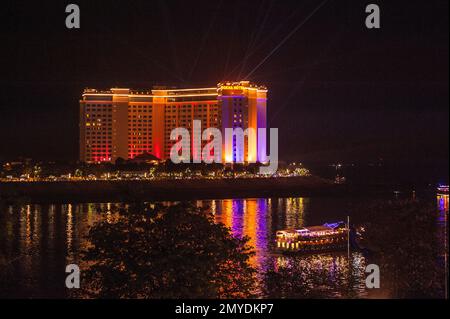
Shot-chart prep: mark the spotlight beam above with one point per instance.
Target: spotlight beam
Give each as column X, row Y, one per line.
column 287, row 37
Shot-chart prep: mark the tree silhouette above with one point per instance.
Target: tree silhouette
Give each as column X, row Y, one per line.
column 154, row 251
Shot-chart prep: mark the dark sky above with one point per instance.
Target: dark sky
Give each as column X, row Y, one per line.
column 337, row 91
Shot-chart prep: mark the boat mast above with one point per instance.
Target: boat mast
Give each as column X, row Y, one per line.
column 348, row 238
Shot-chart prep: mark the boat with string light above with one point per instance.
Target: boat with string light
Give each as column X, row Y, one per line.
column 442, row 190
column 326, row 237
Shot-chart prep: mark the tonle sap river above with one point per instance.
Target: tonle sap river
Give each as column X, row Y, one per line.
column 38, row 241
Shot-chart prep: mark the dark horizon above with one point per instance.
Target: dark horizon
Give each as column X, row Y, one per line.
column 337, row 91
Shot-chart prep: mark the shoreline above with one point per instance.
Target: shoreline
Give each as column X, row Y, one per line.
column 162, row 190
column 174, row 190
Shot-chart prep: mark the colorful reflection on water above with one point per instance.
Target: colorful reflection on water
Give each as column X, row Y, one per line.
column 442, row 202
column 260, row 218
column 38, row 241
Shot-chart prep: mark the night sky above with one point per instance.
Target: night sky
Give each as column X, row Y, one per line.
column 337, row 90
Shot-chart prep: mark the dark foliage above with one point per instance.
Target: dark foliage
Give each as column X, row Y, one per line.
column 166, row 252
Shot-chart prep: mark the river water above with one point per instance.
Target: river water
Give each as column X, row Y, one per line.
column 38, row 241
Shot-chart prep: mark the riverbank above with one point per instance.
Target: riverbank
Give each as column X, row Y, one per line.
column 179, row 189
column 192, row 189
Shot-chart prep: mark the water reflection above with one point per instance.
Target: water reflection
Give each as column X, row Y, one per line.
column 260, row 218
column 38, row 241
column 245, row 217
column 329, row 274
column 442, row 202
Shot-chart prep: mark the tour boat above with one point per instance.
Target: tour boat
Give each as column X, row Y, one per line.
column 339, row 180
column 326, row 237
column 442, row 189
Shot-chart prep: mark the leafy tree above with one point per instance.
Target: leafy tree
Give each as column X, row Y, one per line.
column 166, row 252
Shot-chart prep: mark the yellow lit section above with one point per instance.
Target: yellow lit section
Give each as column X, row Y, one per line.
column 228, row 152
column 232, row 87
column 227, row 213
column 251, row 155
column 252, row 125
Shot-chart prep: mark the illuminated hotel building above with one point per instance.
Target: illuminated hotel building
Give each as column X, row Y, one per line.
column 123, row 123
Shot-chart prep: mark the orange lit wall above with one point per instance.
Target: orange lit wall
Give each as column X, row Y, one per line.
column 142, row 120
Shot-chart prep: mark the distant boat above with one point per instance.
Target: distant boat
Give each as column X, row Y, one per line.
column 326, row 237
column 339, row 179
column 442, row 189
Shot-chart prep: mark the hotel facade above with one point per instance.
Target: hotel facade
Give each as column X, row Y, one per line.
column 124, row 123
